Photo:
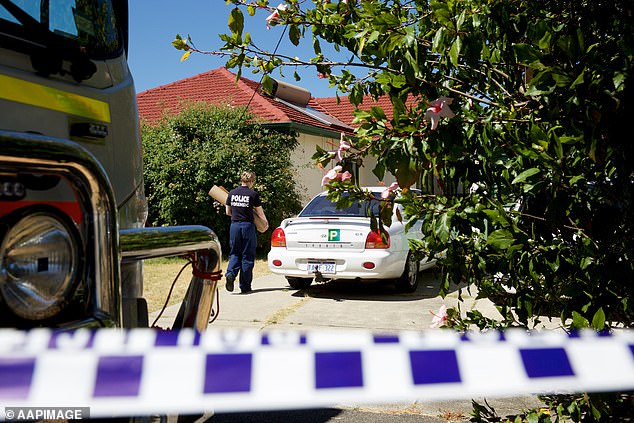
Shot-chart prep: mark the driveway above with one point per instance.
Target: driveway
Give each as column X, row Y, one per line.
column 344, row 306
column 340, row 305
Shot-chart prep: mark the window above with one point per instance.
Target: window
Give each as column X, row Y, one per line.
column 321, row 206
column 64, row 26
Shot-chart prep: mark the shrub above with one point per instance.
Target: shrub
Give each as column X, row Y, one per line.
column 186, row 154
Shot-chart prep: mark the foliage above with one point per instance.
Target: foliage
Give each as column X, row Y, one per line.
column 610, row 407
column 186, row 154
column 542, row 93
column 538, row 151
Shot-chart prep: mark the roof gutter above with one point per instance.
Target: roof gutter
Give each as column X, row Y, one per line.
column 307, row 129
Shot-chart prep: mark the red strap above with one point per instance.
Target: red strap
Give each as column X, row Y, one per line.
column 212, row 276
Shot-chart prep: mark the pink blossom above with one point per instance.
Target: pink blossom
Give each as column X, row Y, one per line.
column 437, row 109
column 274, row 18
column 331, row 175
column 439, row 319
column 343, row 146
column 321, row 75
column 389, row 190
column 335, row 174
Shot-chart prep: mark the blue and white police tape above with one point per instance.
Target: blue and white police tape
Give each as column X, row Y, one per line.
column 143, row 372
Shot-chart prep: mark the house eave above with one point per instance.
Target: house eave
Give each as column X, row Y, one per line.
column 307, row 129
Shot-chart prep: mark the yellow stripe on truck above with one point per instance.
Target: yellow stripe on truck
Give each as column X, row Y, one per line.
column 21, row 91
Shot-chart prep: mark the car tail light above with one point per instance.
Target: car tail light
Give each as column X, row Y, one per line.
column 377, row 240
column 278, row 238
column 277, row 263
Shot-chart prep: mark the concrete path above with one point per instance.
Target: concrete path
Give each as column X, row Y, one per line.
column 336, row 305
column 344, row 306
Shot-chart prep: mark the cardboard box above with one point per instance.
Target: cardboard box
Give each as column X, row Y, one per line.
column 220, row 194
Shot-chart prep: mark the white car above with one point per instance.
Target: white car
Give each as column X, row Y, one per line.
column 324, row 243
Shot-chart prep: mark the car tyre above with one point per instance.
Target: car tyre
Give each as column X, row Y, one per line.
column 408, row 282
column 299, row 283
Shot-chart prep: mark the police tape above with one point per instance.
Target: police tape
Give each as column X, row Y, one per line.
column 146, row 372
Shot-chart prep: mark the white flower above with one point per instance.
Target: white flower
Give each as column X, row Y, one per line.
column 274, row 18
column 389, row 190
column 437, row 109
column 439, row 318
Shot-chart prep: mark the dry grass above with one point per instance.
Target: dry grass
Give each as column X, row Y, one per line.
column 160, row 273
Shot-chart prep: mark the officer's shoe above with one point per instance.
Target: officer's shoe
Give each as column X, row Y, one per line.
column 230, row 277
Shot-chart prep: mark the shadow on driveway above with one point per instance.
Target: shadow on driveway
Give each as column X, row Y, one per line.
column 320, row 415
column 341, row 290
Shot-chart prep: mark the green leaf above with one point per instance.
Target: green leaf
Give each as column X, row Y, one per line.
column 619, row 80
column 316, row 46
column 441, row 12
column 362, row 115
column 454, row 52
column 561, row 79
column 496, row 217
column 378, row 113
column 379, row 171
column 578, row 321
column 406, row 172
column 587, row 261
column 361, row 45
column 438, row 40
column 500, row 239
column 267, row 84
column 542, row 83
column 525, row 175
column 571, row 140
column 559, row 151
column 460, row 20
column 385, row 213
column 579, row 80
column 374, row 226
column 179, row 43
column 356, row 94
column 525, row 53
column 233, row 62
column 545, row 42
column 441, row 229
column 598, row 321
column 236, row 21
column 294, row 34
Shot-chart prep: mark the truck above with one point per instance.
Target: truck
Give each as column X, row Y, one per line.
column 73, row 212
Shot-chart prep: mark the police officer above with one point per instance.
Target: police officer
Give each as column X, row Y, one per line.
column 242, row 204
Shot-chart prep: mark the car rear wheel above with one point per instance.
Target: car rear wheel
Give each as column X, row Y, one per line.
column 408, row 282
column 299, row 283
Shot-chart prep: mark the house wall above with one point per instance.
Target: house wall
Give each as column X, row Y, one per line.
column 308, row 175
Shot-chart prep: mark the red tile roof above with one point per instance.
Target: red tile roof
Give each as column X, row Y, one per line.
column 343, row 110
column 219, row 87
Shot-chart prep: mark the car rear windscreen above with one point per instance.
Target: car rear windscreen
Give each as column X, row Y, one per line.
column 322, row 206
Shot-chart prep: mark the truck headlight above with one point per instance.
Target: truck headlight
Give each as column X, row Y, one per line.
column 39, row 260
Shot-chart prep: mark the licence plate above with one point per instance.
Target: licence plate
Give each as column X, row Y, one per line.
column 326, row 267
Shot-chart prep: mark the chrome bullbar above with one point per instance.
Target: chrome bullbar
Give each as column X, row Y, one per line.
column 95, row 300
